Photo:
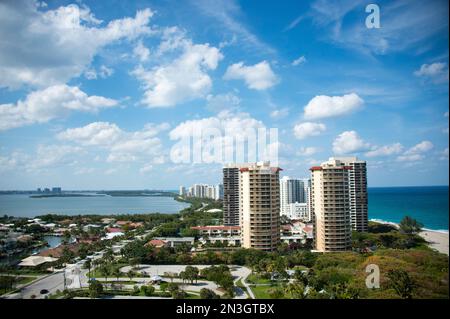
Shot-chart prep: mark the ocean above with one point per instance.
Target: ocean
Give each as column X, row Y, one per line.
column 428, row 205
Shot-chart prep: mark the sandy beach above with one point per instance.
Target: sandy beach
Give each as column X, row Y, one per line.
column 436, row 239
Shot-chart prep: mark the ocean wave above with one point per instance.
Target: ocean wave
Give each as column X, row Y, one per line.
column 381, row 221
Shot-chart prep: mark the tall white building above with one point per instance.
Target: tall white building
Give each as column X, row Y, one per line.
column 357, row 179
column 294, row 191
column 290, row 192
column 182, row 190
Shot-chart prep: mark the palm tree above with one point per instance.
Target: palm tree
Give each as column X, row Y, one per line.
column 88, row 265
column 296, row 290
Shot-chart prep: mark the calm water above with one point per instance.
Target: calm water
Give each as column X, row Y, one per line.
column 24, row 206
column 429, row 205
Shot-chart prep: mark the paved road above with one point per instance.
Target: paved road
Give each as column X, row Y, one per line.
column 51, row 283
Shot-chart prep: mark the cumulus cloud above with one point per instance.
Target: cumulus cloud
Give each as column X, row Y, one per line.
column 323, row 106
column 220, row 102
column 183, row 79
column 299, row 60
column 279, row 113
column 436, row 72
column 56, row 45
column 123, row 146
column 53, row 102
column 385, row 150
column 416, row 153
column 307, row 151
column 44, row 157
column 141, row 51
column 422, row 147
column 349, row 142
column 307, row 129
column 216, row 132
column 257, row 77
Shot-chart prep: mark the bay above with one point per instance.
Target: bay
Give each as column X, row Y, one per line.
column 23, row 206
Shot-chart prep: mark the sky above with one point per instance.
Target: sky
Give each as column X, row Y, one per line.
column 102, row 94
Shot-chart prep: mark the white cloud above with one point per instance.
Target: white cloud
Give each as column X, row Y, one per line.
column 436, row 72
column 299, row 60
column 220, row 102
column 122, row 146
column 103, row 72
column 323, row 106
column 183, row 79
column 307, row 151
column 51, row 47
column 410, row 158
column 385, row 150
column 279, row 113
column 53, row 102
column 446, row 114
column 444, row 154
column 307, row 129
column 398, row 31
column 416, row 153
column 141, row 51
column 422, row 147
column 227, row 125
column 349, row 142
column 44, row 157
column 146, row 169
column 258, row 77
column 228, row 14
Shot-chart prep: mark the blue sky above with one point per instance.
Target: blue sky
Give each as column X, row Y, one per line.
column 96, row 95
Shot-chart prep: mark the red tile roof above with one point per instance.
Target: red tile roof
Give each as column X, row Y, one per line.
column 221, row 227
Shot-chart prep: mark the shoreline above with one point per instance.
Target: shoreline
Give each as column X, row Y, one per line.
column 436, row 239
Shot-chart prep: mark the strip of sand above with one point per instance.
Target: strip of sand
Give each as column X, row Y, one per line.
column 436, row 239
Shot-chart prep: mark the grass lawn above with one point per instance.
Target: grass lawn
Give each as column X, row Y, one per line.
column 19, row 281
column 262, row 292
column 256, row 279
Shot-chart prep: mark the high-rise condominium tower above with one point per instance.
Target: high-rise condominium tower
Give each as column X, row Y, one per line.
column 331, row 206
column 291, row 191
column 357, row 179
column 231, row 194
column 259, row 206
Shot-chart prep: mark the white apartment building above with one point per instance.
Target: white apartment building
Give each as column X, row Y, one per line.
column 298, row 211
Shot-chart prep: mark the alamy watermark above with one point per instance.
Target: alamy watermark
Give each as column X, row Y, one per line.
column 373, row 278
column 373, row 19
column 212, row 145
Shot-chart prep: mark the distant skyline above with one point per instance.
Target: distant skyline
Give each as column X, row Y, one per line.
column 94, row 95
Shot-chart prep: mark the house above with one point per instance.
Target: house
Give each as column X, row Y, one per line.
column 157, row 243
column 218, row 231
column 33, row 261
column 177, row 241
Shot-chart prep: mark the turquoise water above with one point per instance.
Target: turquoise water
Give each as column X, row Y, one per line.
column 24, row 206
column 429, row 205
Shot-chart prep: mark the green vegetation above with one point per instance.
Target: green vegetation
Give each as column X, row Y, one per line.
column 9, row 283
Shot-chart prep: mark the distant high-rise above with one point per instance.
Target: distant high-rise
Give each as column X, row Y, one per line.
column 331, row 206
column 182, row 191
column 259, row 205
column 291, row 191
column 357, row 179
column 218, row 193
column 231, row 194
